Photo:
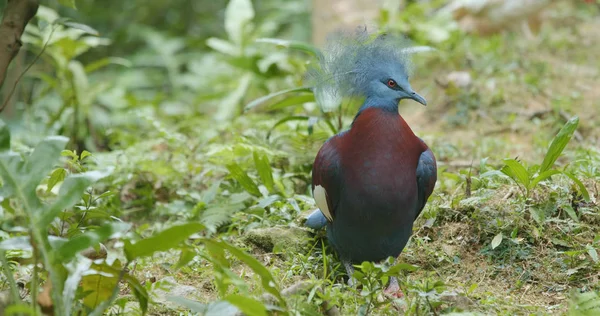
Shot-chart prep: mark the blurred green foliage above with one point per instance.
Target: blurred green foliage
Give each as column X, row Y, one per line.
column 187, row 125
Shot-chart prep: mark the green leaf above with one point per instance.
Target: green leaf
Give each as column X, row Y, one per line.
column 185, row 257
column 267, row 280
column 84, row 154
column 247, row 305
column 238, row 14
column 82, row 27
column 287, row 119
column 268, row 97
column 139, row 291
column 22, row 176
column 305, row 47
column 77, row 269
column 592, row 252
column 394, row 270
column 497, row 240
column 243, row 179
column 582, row 189
column 517, row 172
column 103, row 62
column 584, row 304
column 58, row 175
column 543, row 176
column 4, row 137
column 19, row 309
column 69, row 194
column 101, row 284
column 291, row 101
column 571, row 212
column 265, row 172
column 42, row 160
column 68, row 3
column 559, row 143
column 163, row 241
column 89, row 239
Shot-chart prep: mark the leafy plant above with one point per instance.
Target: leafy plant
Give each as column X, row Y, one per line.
column 528, row 178
column 67, row 99
column 21, row 177
column 373, row 277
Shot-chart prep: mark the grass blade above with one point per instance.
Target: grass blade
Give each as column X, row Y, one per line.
column 559, row 143
column 268, row 97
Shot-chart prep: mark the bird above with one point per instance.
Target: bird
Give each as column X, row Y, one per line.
column 371, row 181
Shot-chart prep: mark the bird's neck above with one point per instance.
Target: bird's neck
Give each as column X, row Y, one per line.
column 386, row 104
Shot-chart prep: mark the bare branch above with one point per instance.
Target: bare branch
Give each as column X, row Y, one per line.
column 17, row 14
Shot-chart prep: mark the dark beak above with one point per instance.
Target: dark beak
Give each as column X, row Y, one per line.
column 417, row 97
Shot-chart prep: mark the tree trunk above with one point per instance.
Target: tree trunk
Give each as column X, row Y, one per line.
column 17, row 14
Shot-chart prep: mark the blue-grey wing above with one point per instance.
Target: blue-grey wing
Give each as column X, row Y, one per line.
column 426, row 178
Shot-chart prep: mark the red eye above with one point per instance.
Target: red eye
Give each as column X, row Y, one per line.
column 391, row 83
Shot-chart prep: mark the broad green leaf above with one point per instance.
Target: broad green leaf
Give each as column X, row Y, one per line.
column 58, row 175
column 265, row 172
column 238, row 14
column 68, row 3
column 582, row 189
column 543, row 176
column 497, row 240
column 305, row 47
column 76, row 270
column 19, row 309
column 4, row 137
column 139, row 291
column 22, row 176
column 517, row 172
column 247, row 305
column 395, row 269
column 42, row 160
column 89, row 239
column 268, row 97
column 186, row 256
column 100, row 284
column 162, row 241
column 112, row 273
column 69, row 194
column 243, row 179
column 559, row 143
column 84, row 154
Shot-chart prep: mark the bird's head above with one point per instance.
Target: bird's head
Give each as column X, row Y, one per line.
column 372, row 66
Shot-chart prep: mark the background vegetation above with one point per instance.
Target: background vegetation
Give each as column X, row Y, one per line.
column 180, row 180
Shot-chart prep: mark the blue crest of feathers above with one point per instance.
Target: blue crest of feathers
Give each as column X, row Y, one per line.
column 350, row 60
